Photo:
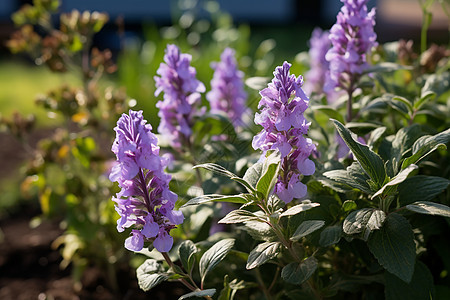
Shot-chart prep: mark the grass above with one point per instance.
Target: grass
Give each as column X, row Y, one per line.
column 21, row 83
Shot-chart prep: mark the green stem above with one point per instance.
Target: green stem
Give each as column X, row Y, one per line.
column 194, row 287
column 349, row 104
column 261, row 283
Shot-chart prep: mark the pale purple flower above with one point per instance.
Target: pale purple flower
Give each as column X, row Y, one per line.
column 282, row 106
column 145, row 202
column 319, row 44
column 227, row 88
column 352, row 37
column 177, row 79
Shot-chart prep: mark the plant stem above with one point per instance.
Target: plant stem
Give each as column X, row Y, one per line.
column 349, row 104
column 182, row 280
column 261, row 283
column 277, row 272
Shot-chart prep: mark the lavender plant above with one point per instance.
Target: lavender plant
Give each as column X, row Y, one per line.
column 283, row 104
column 352, row 37
column 145, row 200
column 181, row 97
column 227, row 93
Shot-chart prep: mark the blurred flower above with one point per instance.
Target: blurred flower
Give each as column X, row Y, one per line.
column 181, row 96
column 352, row 37
column 145, row 201
column 406, row 53
column 227, row 88
column 430, row 59
column 319, row 44
column 282, row 106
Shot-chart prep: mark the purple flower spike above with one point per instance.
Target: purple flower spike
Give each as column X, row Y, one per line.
column 181, row 95
column 319, row 45
column 282, row 106
column 227, row 88
column 145, row 202
column 352, row 37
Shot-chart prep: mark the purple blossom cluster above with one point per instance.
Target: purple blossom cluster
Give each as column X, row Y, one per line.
column 227, row 88
column 177, row 79
column 145, row 201
column 282, row 107
column 319, row 44
column 352, row 37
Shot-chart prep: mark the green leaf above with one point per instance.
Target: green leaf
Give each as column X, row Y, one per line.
column 330, row 236
column 375, row 135
column 426, row 145
column 427, row 96
column 421, row 188
column 150, row 274
column 370, row 161
column 364, row 221
column 349, row 205
column 297, row 273
column 429, row 208
column 394, row 248
column 304, row 206
column 202, row 293
column 420, row 287
column 214, row 255
column 305, row 228
column 262, row 253
column 241, row 198
column 186, row 252
column 329, row 111
column 386, row 67
column 399, row 178
column 354, row 177
column 402, row 143
column 243, row 182
column 405, row 101
column 239, row 216
column 260, row 231
column 218, row 169
column 269, row 174
column 253, row 174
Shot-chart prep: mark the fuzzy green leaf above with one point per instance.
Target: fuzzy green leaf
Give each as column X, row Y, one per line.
column 199, row 294
column 421, row 188
column 330, row 236
column 429, row 208
column 364, row 221
column 426, row 145
column 269, row 174
column 150, row 274
column 420, row 287
column 239, row 216
column 186, row 252
column 399, row 178
column 306, row 228
column 214, row 255
column 297, row 273
column 241, row 198
column 370, row 161
column 394, row 248
column 304, row 206
column 262, row 253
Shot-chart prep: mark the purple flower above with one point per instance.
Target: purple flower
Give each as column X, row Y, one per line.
column 227, row 88
column 282, row 106
column 352, row 37
column 181, row 96
column 145, row 202
column 319, row 45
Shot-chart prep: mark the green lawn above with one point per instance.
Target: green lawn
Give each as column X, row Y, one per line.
column 20, row 83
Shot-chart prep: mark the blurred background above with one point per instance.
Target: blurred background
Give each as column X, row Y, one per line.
column 264, row 33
